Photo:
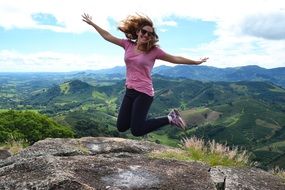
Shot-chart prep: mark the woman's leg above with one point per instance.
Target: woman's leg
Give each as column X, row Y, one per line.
column 139, row 123
column 124, row 116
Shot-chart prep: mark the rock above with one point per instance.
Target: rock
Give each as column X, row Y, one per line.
column 115, row 164
column 247, row 178
column 218, row 178
column 4, row 154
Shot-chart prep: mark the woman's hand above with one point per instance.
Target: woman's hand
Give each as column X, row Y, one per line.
column 202, row 60
column 105, row 34
column 87, row 19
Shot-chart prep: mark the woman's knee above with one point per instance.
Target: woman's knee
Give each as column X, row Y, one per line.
column 122, row 128
column 136, row 132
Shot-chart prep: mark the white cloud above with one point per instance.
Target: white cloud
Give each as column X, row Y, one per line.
column 167, row 23
column 248, row 32
column 11, row 61
column 15, row 13
column 268, row 26
column 235, row 51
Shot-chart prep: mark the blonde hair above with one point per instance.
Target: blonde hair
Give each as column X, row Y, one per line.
column 132, row 24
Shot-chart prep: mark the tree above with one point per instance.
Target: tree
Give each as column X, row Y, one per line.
column 30, row 126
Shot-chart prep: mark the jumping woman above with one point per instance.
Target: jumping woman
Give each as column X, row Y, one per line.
column 141, row 51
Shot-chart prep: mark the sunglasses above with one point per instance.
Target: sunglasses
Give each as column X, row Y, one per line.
column 143, row 31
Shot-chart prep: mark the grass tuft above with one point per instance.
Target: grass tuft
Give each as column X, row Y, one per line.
column 212, row 153
column 279, row 172
column 215, row 153
column 14, row 146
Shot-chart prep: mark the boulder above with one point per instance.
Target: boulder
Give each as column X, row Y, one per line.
column 4, row 153
column 91, row 163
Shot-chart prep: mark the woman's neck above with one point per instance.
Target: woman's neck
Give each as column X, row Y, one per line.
column 141, row 47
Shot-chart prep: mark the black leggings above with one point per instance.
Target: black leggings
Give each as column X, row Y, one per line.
column 133, row 114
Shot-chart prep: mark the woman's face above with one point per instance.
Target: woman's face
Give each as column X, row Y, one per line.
column 145, row 34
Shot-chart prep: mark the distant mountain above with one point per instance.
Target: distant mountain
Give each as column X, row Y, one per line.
column 114, row 70
column 204, row 73
column 112, row 73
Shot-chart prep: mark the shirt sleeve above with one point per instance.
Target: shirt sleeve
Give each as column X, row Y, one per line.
column 125, row 43
column 159, row 53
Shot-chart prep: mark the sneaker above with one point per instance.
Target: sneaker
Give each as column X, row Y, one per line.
column 176, row 119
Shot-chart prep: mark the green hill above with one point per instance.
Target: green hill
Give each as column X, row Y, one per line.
column 67, row 92
column 89, row 122
column 72, row 95
column 30, row 126
column 89, row 110
column 245, row 114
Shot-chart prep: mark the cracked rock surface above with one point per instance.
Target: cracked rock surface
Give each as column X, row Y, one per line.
column 91, row 163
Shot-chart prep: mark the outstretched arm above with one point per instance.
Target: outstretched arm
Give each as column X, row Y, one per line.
column 105, row 34
column 182, row 60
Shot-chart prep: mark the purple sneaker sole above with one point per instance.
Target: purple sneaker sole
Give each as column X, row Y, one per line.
column 177, row 119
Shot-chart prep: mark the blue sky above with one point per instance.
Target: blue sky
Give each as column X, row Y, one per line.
column 49, row 35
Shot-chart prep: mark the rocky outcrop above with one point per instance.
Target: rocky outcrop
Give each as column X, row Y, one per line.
column 4, row 153
column 113, row 163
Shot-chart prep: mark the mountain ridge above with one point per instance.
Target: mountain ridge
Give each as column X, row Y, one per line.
column 206, row 73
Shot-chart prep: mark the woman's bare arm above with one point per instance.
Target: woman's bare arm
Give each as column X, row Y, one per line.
column 105, row 34
column 182, row 60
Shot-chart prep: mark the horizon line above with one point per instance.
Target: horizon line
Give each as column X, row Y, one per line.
column 179, row 65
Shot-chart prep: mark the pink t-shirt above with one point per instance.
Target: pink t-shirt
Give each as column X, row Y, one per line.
column 139, row 67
